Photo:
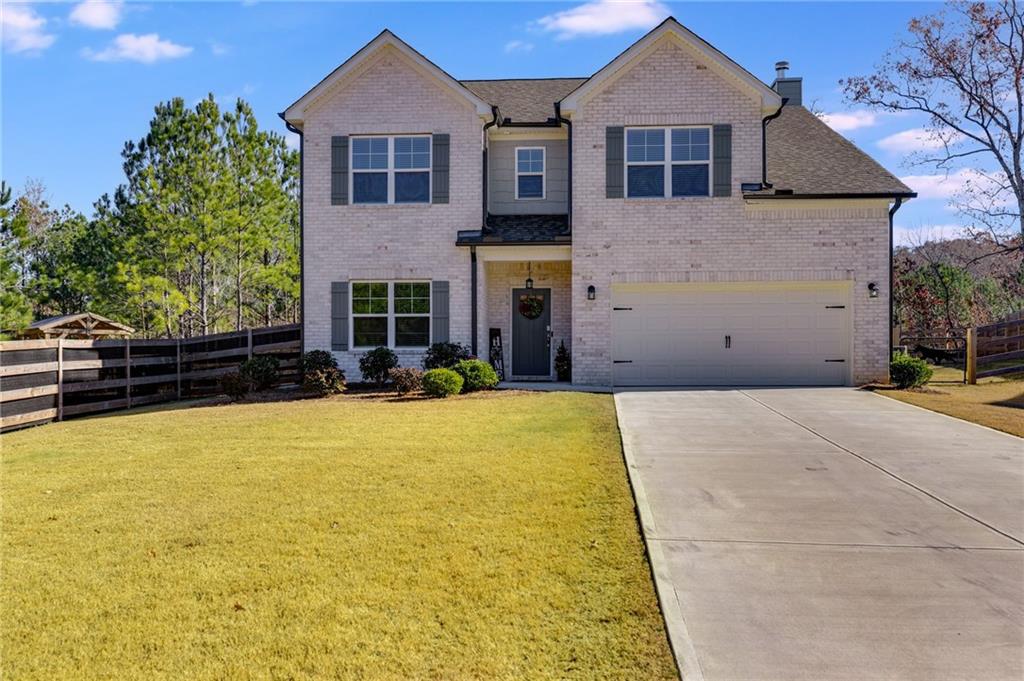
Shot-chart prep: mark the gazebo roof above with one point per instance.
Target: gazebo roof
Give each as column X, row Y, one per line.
column 81, row 324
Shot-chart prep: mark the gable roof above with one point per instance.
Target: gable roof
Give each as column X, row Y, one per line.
column 88, row 324
column 770, row 99
column 811, row 159
column 524, row 100
column 296, row 112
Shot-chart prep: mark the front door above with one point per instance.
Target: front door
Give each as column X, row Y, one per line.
column 531, row 332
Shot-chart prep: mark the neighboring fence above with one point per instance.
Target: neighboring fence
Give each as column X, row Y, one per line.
column 47, row 380
column 939, row 351
column 996, row 349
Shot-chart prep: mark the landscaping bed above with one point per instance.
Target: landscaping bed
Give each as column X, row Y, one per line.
column 487, row 536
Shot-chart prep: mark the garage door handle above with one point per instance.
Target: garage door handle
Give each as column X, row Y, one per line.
column 836, row 360
column 622, row 361
column 728, row 342
column 622, row 308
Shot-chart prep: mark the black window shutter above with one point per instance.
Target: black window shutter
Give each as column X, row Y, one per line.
column 439, row 312
column 614, row 150
column 440, row 155
column 339, row 170
column 339, row 315
column 722, row 185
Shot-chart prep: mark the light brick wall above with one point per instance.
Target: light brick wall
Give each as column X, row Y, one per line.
column 708, row 239
column 502, row 277
column 389, row 95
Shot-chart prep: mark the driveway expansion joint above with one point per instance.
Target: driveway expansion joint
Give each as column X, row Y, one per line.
column 853, row 545
column 881, row 468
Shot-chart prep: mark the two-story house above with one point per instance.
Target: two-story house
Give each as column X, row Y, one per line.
column 671, row 219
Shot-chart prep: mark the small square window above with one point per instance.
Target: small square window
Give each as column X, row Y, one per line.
column 645, row 145
column 369, row 153
column 412, row 153
column 369, row 332
column 369, row 187
column 690, row 180
column 412, row 187
column 412, row 332
column 531, row 186
column 646, row 181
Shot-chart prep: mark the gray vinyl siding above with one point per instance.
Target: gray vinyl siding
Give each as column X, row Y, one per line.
column 501, row 157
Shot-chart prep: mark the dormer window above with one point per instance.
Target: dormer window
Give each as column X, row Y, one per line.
column 684, row 171
column 529, row 173
column 390, row 169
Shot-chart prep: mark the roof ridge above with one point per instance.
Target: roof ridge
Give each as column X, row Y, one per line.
column 499, row 80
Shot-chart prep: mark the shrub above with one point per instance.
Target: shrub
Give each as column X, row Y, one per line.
column 444, row 355
column 442, row 383
column 909, row 372
column 260, row 371
column 563, row 363
column 476, row 375
column 235, row 385
column 323, row 382
column 407, row 380
column 317, row 360
column 376, row 364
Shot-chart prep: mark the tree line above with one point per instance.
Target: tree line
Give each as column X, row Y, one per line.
column 201, row 237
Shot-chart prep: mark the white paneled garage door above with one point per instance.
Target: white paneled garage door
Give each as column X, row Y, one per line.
column 764, row 333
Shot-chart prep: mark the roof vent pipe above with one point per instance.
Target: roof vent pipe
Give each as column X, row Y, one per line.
column 780, row 69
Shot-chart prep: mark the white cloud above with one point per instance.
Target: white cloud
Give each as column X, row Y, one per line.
column 914, row 140
column 845, row 121
column 105, row 14
column 147, row 49
column 945, row 185
column 915, row 236
column 603, row 17
column 23, row 30
column 517, row 46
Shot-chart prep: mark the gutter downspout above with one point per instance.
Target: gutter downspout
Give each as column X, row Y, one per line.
column 898, row 201
column 568, row 124
column 302, row 239
column 483, row 225
column 764, row 143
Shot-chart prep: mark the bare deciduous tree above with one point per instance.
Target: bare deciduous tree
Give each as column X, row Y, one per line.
column 963, row 67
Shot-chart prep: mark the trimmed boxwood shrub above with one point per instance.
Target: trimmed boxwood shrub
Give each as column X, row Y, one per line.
column 235, row 385
column 563, row 363
column 476, row 375
column 406, row 380
column 260, row 371
column 375, row 365
column 442, row 383
column 909, row 372
column 444, row 355
column 320, row 373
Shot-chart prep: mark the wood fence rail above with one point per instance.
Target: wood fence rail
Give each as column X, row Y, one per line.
column 54, row 379
column 996, row 349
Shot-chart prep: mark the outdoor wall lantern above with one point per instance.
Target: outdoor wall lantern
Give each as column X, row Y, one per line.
column 591, row 292
column 529, row 275
column 872, row 290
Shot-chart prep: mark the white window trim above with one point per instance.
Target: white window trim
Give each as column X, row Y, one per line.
column 543, row 173
column 391, row 314
column 668, row 162
column 391, row 170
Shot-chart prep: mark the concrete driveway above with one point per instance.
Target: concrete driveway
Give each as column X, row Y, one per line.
column 829, row 533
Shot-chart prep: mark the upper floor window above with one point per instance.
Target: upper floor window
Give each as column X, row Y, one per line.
column 391, row 169
column 529, row 172
column 685, row 170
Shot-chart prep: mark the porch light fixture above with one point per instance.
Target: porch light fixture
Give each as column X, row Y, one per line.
column 591, row 292
column 872, row 290
column 529, row 275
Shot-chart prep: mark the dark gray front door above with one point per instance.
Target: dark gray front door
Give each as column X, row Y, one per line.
column 531, row 332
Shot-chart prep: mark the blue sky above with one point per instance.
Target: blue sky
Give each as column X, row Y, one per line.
column 79, row 79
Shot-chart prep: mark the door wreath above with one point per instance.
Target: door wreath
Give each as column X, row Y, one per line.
column 531, row 307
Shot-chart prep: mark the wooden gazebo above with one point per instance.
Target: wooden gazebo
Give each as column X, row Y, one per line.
column 87, row 325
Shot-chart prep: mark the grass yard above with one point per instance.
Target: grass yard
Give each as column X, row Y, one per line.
column 994, row 402
column 483, row 537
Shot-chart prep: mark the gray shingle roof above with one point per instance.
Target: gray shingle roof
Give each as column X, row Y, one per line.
column 808, row 157
column 519, row 229
column 524, row 100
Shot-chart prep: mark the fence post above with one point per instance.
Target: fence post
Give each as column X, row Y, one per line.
column 177, row 371
column 972, row 355
column 60, row 379
column 128, row 373
column 250, row 342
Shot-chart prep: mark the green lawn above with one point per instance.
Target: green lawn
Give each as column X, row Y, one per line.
column 996, row 402
column 483, row 537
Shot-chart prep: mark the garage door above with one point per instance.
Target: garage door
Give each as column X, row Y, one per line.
column 731, row 334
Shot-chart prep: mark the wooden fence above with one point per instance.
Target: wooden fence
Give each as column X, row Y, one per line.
column 996, row 349
column 48, row 380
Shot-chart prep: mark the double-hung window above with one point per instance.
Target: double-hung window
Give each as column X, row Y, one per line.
column 529, row 172
column 664, row 162
column 391, row 314
column 391, row 169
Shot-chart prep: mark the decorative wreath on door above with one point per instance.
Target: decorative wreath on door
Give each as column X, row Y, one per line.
column 531, row 307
